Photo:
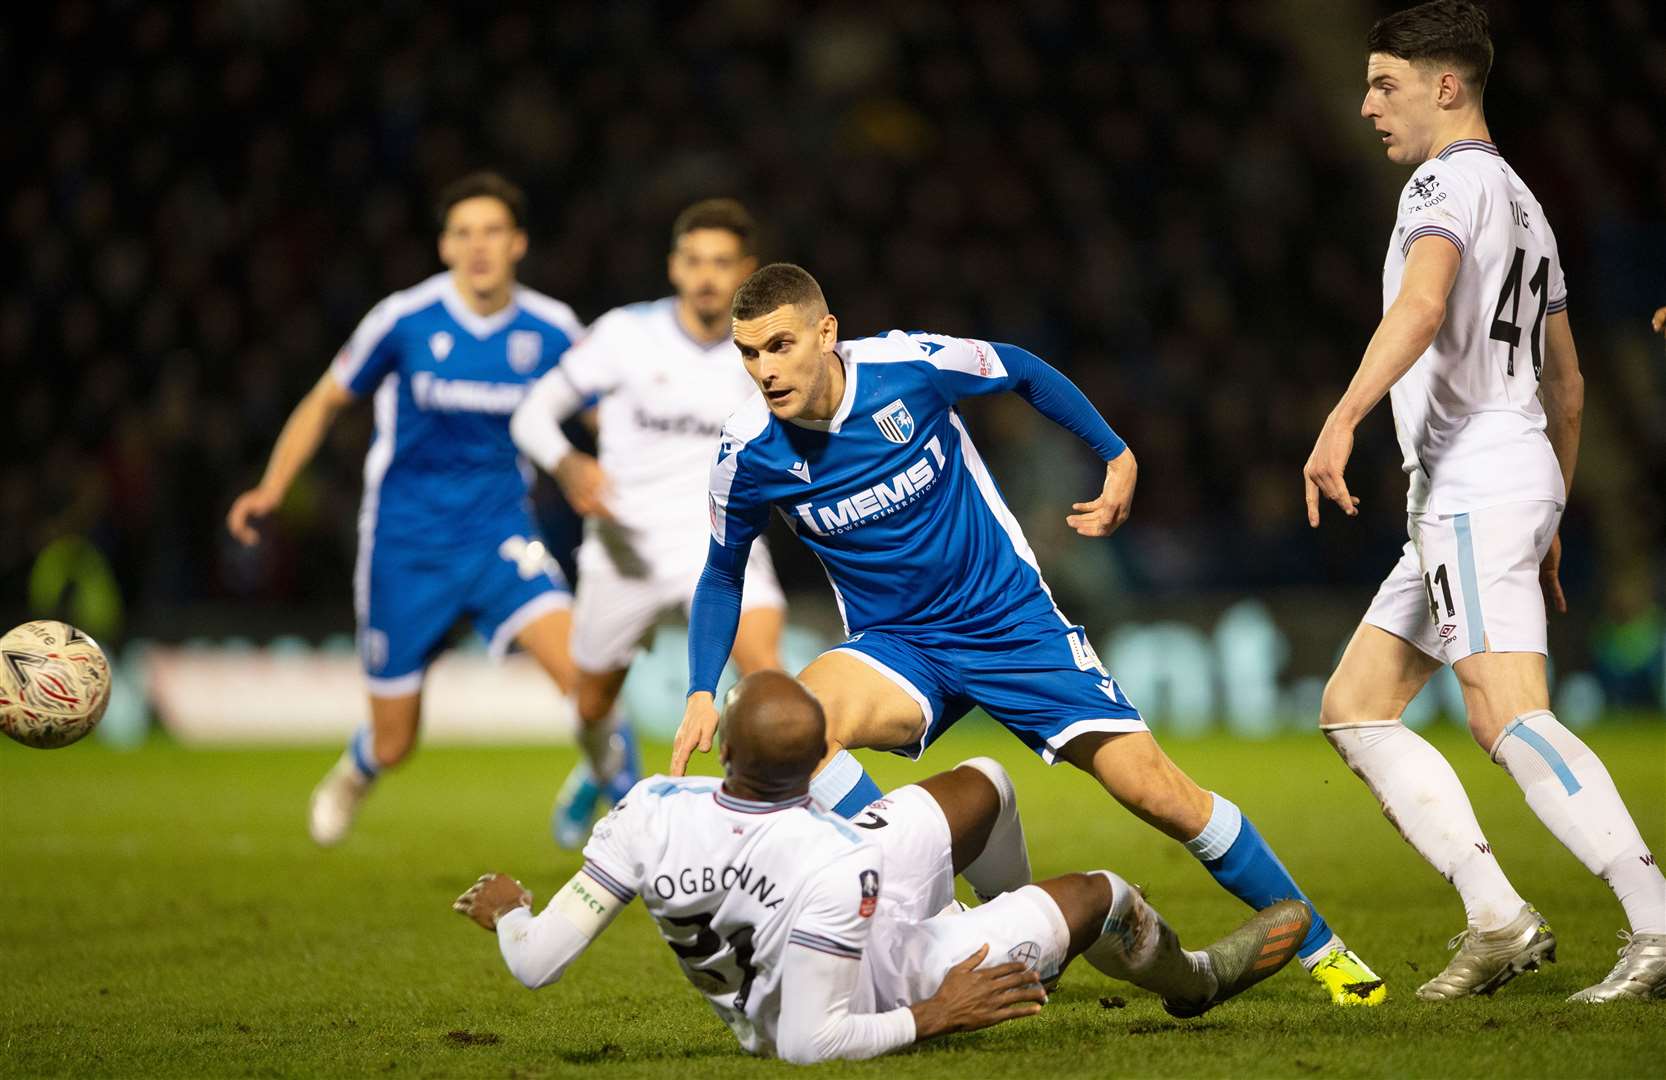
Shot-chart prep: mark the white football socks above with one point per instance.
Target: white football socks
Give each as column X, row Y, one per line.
column 1571, row 792
column 1421, row 796
column 1004, row 863
column 1137, row 946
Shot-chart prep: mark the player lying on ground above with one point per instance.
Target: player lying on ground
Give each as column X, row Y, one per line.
column 858, row 445
column 667, row 376
column 1477, row 356
column 444, row 530
column 814, row 940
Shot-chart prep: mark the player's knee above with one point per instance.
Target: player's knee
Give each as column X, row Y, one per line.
column 392, row 746
column 594, row 703
column 1340, row 705
column 997, row 775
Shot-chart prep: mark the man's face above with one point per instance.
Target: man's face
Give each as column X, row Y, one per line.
column 706, row 268
column 1400, row 102
column 783, row 353
column 481, row 244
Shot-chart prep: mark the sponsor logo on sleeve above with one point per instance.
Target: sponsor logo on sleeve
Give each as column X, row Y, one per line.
column 870, row 893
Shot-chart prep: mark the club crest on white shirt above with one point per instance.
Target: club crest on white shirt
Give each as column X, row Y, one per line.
column 525, row 347
column 895, row 422
column 440, row 345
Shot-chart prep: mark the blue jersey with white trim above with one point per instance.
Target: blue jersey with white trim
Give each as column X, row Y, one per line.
column 891, row 493
column 442, row 469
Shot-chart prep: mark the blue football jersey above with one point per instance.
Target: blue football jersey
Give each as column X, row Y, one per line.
column 442, row 469
column 890, row 493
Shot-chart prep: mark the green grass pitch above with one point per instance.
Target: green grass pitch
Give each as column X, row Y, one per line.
column 165, row 914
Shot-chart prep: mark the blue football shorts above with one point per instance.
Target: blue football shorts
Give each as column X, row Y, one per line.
column 1040, row 678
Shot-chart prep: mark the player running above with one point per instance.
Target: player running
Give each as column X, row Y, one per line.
column 444, row 529
column 666, row 377
column 859, row 447
column 1477, row 357
column 814, row 940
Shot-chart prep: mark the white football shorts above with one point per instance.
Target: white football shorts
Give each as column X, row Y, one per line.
column 919, row 932
column 614, row 612
column 1469, row 583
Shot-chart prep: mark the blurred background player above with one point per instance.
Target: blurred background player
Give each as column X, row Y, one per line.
column 1476, row 353
column 667, row 376
column 858, row 444
column 444, row 529
column 817, row 941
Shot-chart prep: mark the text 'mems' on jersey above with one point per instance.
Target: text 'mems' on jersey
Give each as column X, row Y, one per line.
column 445, row 380
column 1471, row 428
column 890, row 494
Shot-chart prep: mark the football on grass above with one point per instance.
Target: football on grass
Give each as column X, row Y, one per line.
column 54, row 684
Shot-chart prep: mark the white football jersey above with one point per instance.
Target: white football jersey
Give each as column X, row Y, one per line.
column 732, row 884
column 1467, row 414
column 664, row 398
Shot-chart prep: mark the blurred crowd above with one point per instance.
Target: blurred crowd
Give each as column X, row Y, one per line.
column 1168, row 201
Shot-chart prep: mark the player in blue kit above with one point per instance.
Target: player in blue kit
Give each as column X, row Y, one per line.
column 444, row 528
column 858, row 446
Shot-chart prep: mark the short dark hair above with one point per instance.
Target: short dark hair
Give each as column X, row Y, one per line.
column 726, row 214
column 476, row 185
column 776, row 285
column 1443, row 31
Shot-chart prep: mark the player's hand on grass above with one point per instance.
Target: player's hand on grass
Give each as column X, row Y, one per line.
column 250, row 506
column 585, row 484
column 1549, row 578
column 1322, row 475
column 491, row 898
column 1102, row 516
column 695, row 732
column 970, row 998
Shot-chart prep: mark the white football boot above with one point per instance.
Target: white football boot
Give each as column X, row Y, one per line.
column 1487, row 959
column 1639, row 976
column 335, row 801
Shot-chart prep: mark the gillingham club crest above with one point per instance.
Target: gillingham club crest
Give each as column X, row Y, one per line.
column 525, row 347
column 895, row 422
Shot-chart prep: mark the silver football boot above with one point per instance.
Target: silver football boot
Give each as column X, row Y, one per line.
column 1487, row 959
column 1639, row 976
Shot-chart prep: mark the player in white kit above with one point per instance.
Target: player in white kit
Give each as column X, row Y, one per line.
column 817, row 938
column 1477, row 356
column 667, row 375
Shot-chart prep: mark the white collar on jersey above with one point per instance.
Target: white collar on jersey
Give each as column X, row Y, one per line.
column 481, row 326
column 845, row 402
column 752, row 806
column 670, row 312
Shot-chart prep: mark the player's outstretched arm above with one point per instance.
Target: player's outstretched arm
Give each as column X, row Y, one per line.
column 1105, row 515
column 713, row 619
column 1405, row 333
column 817, row 1024
column 1562, row 389
column 1659, row 321
column 536, row 429
column 1050, row 393
column 539, row 948
column 297, row 443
